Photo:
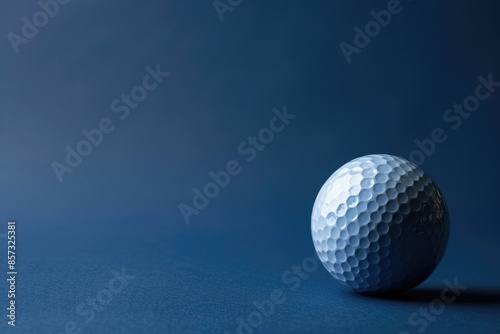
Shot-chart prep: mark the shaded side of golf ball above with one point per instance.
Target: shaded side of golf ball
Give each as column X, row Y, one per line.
column 379, row 224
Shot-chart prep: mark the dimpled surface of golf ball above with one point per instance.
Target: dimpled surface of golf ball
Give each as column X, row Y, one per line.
column 380, row 225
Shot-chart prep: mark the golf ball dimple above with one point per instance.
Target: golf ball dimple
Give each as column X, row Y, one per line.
column 380, row 225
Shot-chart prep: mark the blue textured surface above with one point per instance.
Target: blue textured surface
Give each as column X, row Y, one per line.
column 379, row 224
column 203, row 284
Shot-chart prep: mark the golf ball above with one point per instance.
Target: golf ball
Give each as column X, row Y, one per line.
column 380, row 225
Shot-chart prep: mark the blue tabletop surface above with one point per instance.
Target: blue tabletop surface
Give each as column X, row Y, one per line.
column 183, row 283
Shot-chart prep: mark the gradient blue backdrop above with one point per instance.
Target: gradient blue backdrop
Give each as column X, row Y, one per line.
column 119, row 208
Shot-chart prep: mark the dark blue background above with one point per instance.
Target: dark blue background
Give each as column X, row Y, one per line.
column 119, row 208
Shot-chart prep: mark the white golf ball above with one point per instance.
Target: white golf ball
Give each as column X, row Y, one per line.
column 379, row 224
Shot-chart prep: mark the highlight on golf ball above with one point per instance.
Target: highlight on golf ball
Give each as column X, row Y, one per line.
column 380, row 225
